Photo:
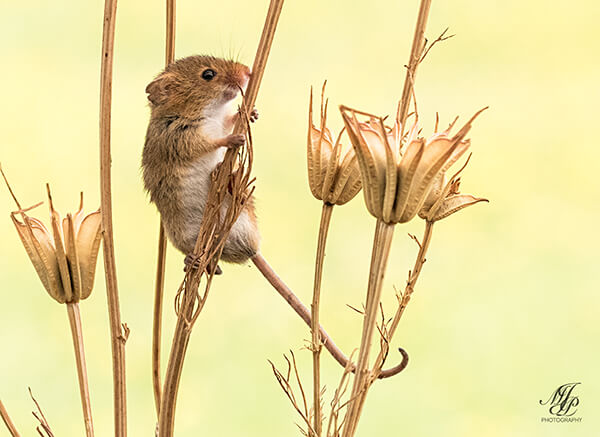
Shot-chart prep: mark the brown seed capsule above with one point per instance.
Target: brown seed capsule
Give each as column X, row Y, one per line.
column 332, row 178
column 65, row 257
column 399, row 172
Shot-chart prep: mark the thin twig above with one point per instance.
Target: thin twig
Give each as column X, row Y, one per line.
column 84, row 391
column 413, row 62
column 39, row 415
column 285, row 383
column 440, row 38
column 8, row 422
column 116, row 333
column 316, row 340
column 159, row 286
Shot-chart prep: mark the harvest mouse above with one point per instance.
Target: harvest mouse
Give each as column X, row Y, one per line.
column 191, row 123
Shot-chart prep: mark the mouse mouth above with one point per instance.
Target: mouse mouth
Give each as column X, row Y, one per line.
column 230, row 93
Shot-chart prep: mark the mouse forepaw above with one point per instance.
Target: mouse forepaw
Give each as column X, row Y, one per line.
column 233, row 141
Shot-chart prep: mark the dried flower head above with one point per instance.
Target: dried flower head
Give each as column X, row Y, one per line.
column 400, row 170
column 65, row 258
column 332, row 178
column 445, row 199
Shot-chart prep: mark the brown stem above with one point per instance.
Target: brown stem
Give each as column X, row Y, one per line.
column 408, row 290
column 8, row 422
column 181, row 339
column 304, row 313
column 114, row 312
column 159, row 286
column 381, row 248
column 213, row 232
column 416, row 52
column 84, row 391
column 316, row 340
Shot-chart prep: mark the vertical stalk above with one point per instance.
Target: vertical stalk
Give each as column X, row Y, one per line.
column 408, row 290
column 188, row 310
column 379, row 258
column 181, row 338
column 315, row 326
column 8, row 422
column 416, row 51
column 110, row 269
column 159, row 286
column 84, row 391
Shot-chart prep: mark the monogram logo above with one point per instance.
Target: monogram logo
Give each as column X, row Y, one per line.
column 563, row 402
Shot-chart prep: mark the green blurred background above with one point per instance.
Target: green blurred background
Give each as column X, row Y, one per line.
column 507, row 307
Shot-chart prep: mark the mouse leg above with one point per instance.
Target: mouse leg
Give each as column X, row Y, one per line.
column 192, row 262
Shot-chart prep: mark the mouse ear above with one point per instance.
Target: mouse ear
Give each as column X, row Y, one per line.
column 158, row 89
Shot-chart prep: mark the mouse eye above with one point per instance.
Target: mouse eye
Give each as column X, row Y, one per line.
column 208, row 74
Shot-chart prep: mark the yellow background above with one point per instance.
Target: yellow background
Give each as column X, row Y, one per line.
column 507, row 307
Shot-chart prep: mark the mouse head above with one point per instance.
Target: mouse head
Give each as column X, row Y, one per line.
column 190, row 85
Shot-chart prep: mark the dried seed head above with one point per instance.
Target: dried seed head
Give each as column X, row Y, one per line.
column 445, row 199
column 65, row 257
column 332, row 178
column 401, row 173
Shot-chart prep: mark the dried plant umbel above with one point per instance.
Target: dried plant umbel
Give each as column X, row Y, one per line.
column 65, row 261
column 403, row 175
column 399, row 172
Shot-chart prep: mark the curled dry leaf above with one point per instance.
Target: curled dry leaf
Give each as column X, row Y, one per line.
column 399, row 171
column 333, row 178
column 65, row 257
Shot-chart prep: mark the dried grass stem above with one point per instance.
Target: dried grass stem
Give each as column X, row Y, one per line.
column 315, row 326
column 159, row 286
column 84, row 391
column 8, row 422
column 414, row 60
column 116, row 327
column 408, row 290
column 379, row 258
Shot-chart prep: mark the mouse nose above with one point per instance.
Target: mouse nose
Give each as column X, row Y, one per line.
column 245, row 77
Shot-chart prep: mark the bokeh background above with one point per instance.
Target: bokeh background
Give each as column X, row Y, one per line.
column 507, row 307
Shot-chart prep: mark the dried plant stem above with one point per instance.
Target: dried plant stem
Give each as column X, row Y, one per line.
column 8, row 422
column 416, row 52
column 159, row 286
column 408, row 290
column 284, row 291
column 181, row 339
column 214, row 230
column 84, row 391
column 118, row 337
column 381, row 248
column 315, row 327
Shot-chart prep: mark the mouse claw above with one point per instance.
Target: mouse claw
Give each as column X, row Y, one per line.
column 193, row 262
column 253, row 115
